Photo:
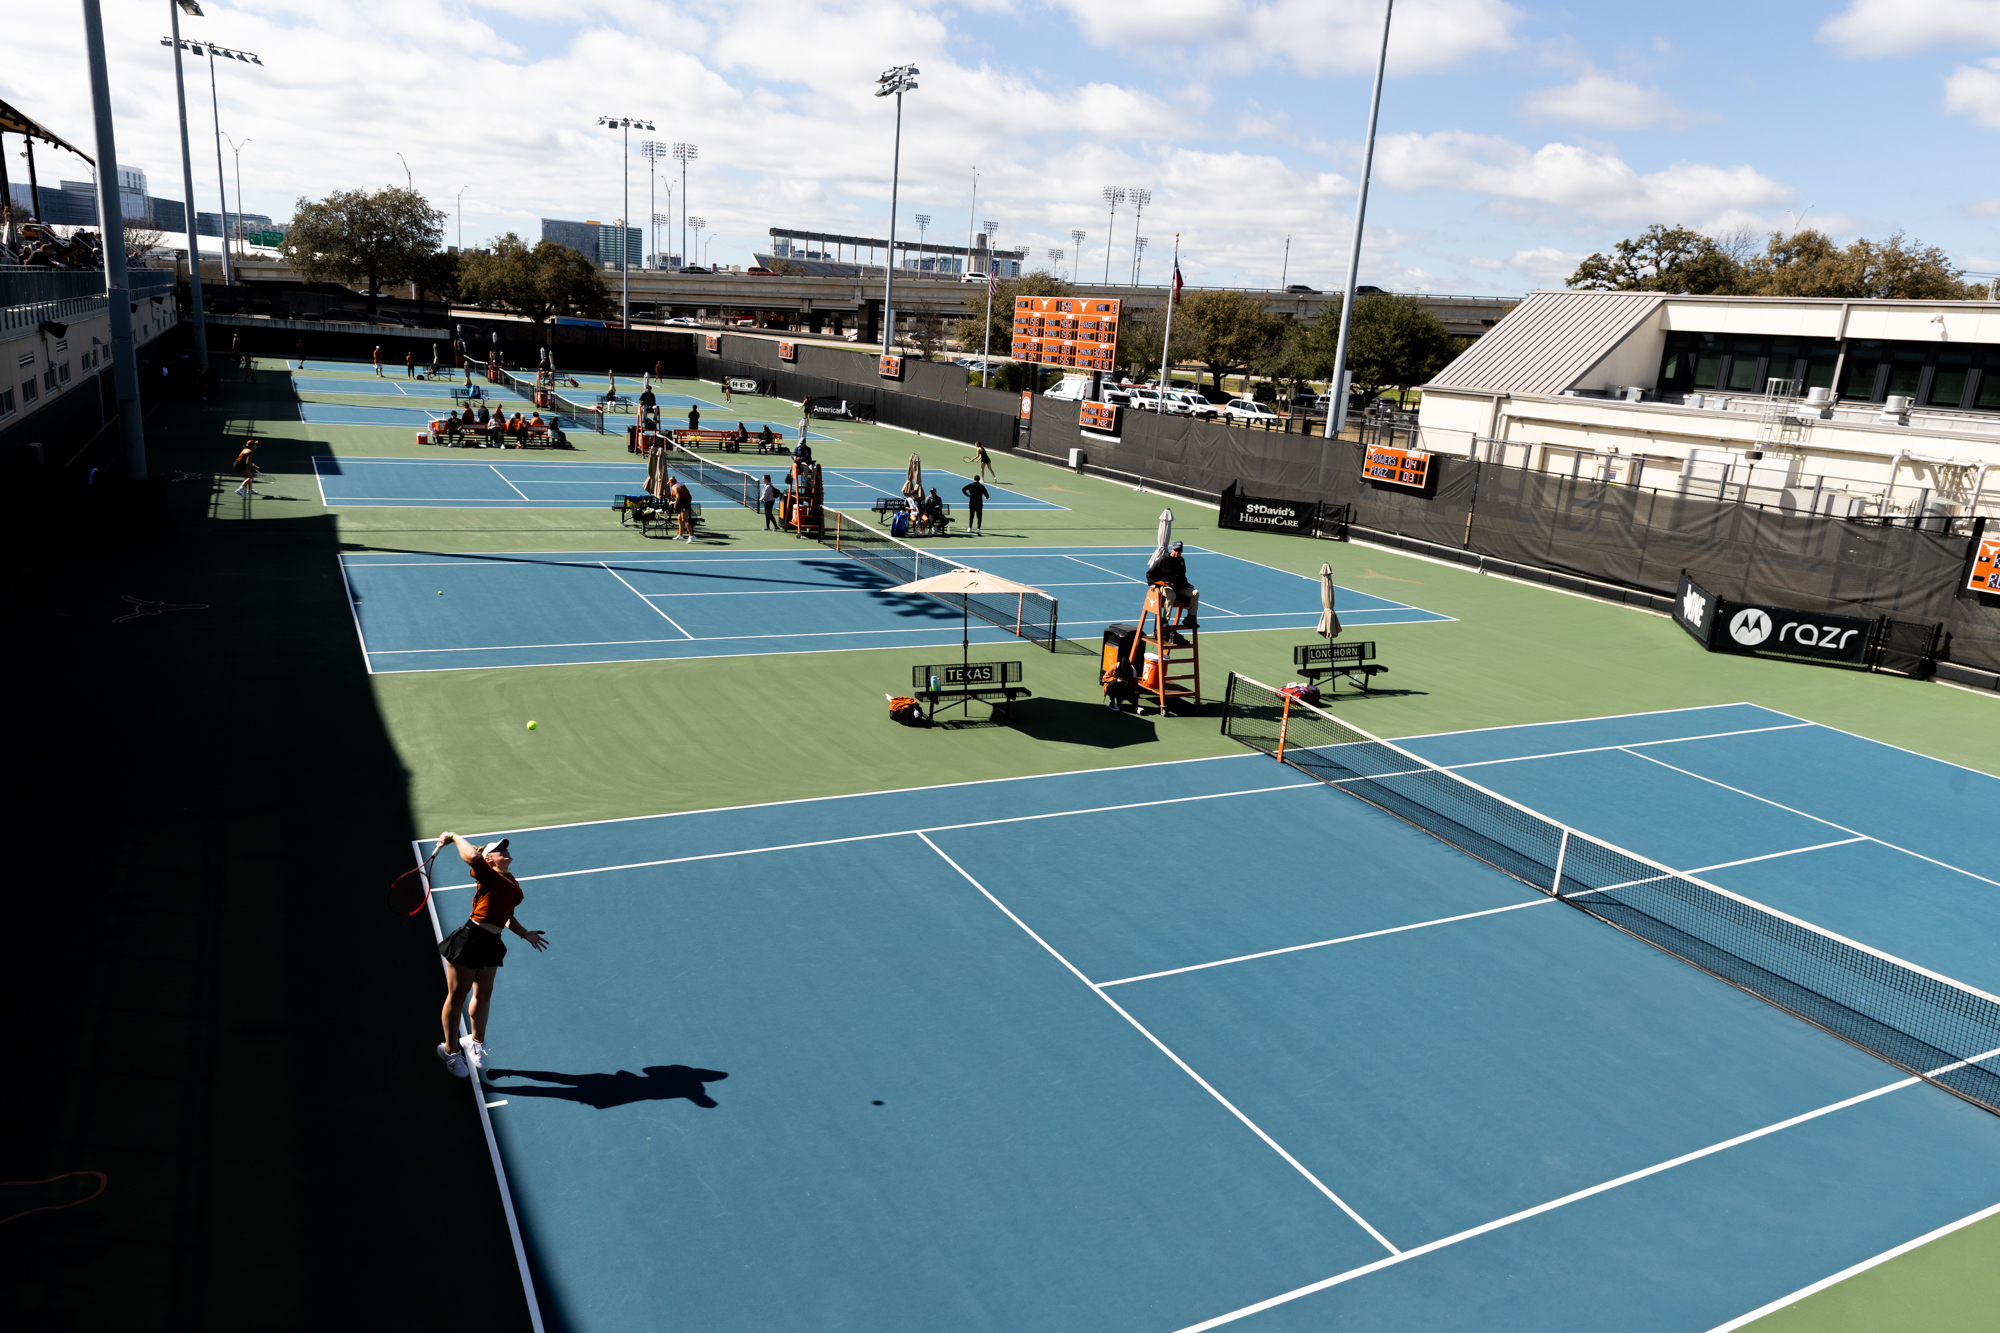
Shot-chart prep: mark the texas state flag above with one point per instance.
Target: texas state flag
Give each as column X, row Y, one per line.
column 1177, row 282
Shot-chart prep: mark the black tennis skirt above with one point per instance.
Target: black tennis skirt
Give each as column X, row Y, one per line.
column 474, row 948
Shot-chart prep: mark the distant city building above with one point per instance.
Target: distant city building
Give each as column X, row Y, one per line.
column 663, row 261
column 599, row 240
column 74, row 204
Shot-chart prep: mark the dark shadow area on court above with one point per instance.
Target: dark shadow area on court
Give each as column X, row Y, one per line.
column 209, row 808
column 655, row 1083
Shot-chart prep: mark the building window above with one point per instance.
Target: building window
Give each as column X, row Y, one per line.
column 62, row 373
column 1906, row 367
column 49, row 379
column 27, row 359
column 6, row 402
column 62, row 344
column 1987, row 397
column 27, row 392
column 1857, row 380
column 1948, row 381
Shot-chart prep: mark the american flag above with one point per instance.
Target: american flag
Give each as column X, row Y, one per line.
column 1177, row 281
column 992, row 281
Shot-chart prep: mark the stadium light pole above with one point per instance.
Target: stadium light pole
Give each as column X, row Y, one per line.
column 211, row 50
column 653, row 150
column 971, row 212
column 174, row 8
column 1076, row 236
column 626, row 125
column 1139, row 198
column 117, row 286
column 409, row 177
column 697, row 223
column 1114, row 196
column 685, row 153
column 461, row 217
column 1336, row 416
column 992, row 285
column 893, row 83
column 1138, row 256
column 236, row 155
column 923, row 225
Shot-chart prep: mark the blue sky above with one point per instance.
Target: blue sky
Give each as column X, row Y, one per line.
column 1515, row 138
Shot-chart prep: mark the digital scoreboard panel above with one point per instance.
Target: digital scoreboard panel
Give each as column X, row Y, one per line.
column 890, row 368
column 788, row 351
column 711, row 342
column 1098, row 416
column 1072, row 332
column 1397, row 467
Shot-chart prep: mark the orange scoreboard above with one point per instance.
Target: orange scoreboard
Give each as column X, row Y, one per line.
column 1397, row 467
column 711, row 342
column 1985, row 575
column 1098, row 416
column 1068, row 331
column 890, row 367
column 788, row 351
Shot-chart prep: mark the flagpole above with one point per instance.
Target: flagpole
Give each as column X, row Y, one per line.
column 992, row 281
column 1173, row 299
column 1336, row 413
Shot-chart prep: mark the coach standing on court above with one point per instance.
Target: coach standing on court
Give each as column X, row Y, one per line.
column 769, row 498
column 975, row 505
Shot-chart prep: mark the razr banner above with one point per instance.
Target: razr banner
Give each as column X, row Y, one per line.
column 1723, row 626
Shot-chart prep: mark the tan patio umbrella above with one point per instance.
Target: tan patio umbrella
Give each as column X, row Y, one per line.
column 656, row 471
column 913, row 478
column 963, row 583
column 1329, row 623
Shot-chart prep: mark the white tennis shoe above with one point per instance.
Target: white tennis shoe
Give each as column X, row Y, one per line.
column 476, row 1055
column 453, row 1061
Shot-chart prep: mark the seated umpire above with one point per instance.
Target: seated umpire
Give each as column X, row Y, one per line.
column 1171, row 569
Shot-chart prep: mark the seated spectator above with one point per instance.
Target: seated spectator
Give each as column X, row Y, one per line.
column 535, row 422
column 482, row 414
column 740, row 438
column 766, row 441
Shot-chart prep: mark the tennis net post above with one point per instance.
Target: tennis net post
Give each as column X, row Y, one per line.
column 1926, row 1024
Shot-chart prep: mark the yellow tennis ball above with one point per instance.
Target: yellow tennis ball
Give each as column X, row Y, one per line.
column 531, row 726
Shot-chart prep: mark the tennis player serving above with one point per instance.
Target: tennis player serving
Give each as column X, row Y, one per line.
column 474, row 952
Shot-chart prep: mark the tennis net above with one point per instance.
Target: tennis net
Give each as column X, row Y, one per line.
column 1030, row 615
column 571, row 413
column 733, row 483
column 1925, row 1024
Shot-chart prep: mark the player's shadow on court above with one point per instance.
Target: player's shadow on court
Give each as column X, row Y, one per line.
column 655, row 1083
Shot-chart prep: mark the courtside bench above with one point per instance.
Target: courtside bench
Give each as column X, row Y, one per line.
column 996, row 684
column 477, row 437
column 648, row 512
column 888, row 506
column 1356, row 661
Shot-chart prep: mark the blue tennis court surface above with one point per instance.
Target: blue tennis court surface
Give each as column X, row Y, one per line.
column 1187, row 1045
column 398, row 386
column 520, row 484
column 536, row 609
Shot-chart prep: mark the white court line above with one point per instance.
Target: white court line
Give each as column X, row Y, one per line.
column 1606, row 717
column 1887, row 746
column 1553, row 1204
column 1817, row 820
column 1598, row 749
column 1856, row 1269
column 354, row 611
column 510, row 485
column 691, row 638
column 366, row 461
column 492, row 1144
column 1321, row 944
column 890, row 833
column 1185, row 1068
column 319, row 479
column 1114, row 573
column 642, row 597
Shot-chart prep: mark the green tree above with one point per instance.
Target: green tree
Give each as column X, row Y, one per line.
column 1808, row 263
column 1663, row 259
column 1140, row 342
column 971, row 332
column 353, row 236
column 1393, row 341
column 539, row 281
column 1228, row 329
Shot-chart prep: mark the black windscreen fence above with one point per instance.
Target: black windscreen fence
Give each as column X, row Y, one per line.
column 1630, row 537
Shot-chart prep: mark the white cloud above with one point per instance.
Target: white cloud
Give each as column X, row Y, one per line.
column 1558, row 181
column 1872, row 28
column 1982, row 208
column 1314, row 36
column 1601, row 101
column 1974, row 90
column 1545, row 263
column 1481, row 261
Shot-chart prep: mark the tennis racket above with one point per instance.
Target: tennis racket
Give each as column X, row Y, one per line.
column 412, row 888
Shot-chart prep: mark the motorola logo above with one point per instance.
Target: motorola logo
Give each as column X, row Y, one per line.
column 1750, row 627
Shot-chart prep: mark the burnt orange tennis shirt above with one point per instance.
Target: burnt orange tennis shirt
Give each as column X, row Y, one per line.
column 496, row 896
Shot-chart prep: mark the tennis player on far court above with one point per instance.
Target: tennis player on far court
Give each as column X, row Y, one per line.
column 474, row 952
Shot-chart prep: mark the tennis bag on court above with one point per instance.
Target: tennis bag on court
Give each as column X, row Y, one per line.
column 899, row 526
column 908, row 711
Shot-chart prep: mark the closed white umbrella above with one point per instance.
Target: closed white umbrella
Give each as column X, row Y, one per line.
column 1166, row 534
column 1329, row 623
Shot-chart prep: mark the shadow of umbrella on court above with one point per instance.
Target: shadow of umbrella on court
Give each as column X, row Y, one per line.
column 965, row 584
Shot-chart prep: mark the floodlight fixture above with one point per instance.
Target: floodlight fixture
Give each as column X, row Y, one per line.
column 894, row 82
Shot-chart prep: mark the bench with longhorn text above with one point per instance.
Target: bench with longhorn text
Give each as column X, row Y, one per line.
column 1356, row 661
